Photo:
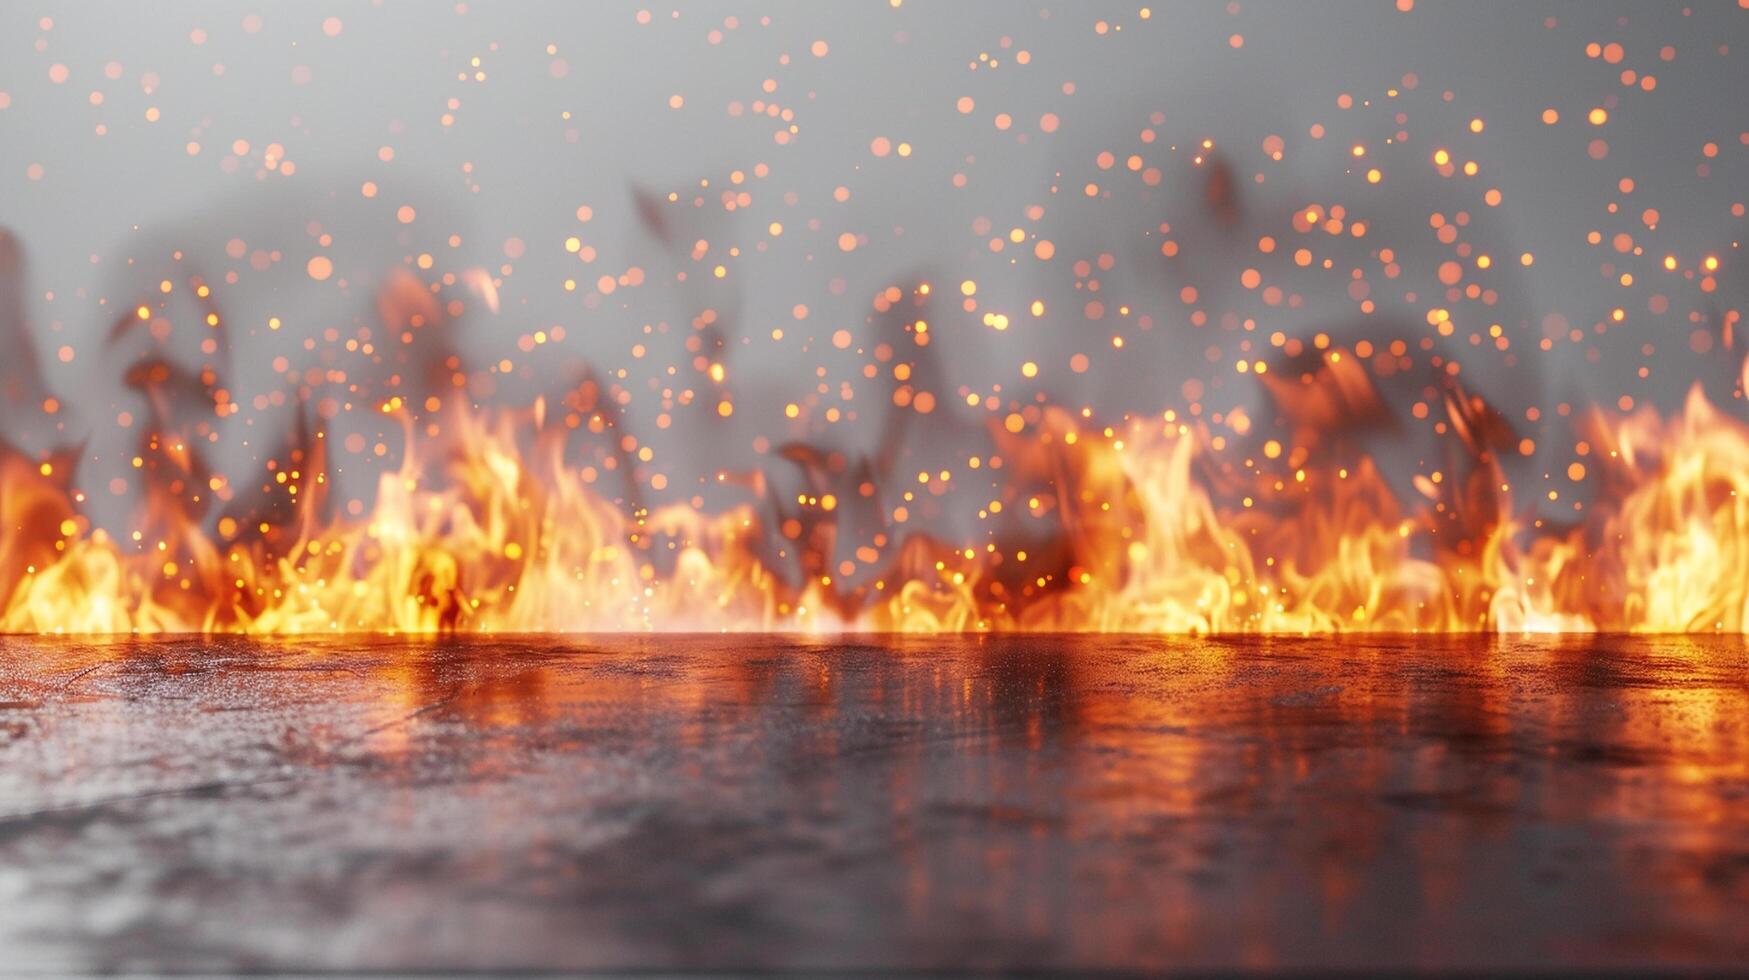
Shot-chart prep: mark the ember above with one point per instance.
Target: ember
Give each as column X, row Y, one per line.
column 1117, row 530
column 1195, row 373
column 1095, row 470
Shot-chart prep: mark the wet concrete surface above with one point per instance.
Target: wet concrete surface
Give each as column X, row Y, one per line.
column 660, row 802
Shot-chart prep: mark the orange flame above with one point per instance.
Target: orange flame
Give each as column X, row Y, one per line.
column 506, row 536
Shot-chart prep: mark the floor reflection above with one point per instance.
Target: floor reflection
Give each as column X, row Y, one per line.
column 668, row 802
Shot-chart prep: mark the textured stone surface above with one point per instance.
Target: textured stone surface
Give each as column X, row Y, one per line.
column 746, row 802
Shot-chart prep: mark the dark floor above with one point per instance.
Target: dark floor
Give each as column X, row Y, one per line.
column 747, row 802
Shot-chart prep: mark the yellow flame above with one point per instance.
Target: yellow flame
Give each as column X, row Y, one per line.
column 502, row 538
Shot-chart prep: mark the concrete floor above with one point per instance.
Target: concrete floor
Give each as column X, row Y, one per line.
column 753, row 802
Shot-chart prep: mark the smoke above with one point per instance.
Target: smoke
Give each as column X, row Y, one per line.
column 677, row 227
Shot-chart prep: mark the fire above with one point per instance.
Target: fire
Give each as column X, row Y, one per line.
column 1117, row 529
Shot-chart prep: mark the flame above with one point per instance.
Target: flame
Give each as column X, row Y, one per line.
column 491, row 530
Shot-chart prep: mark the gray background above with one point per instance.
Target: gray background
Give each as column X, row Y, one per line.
column 112, row 214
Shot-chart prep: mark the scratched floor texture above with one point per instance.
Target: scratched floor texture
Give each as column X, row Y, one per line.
column 745, row 803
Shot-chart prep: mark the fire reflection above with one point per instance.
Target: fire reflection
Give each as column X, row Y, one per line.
column 1109, row 801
